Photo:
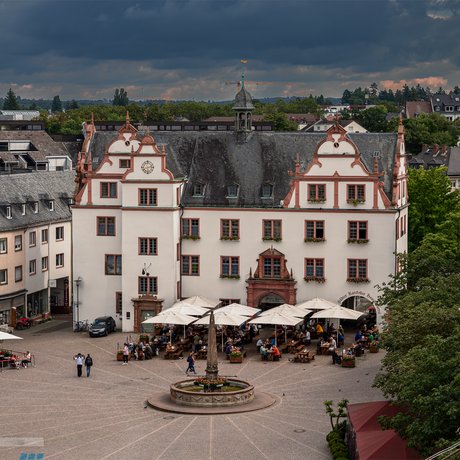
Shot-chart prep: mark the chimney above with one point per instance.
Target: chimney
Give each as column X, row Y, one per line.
column 435, row 149
column 443, row 149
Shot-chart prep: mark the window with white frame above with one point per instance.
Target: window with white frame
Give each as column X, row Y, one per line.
column 59, row 233
column 3, row 276
column 18, row 243
column 51, row 205
column 59, row 260
column 36, row 207
column 18, row 273
column 44, row 263
column 32, row 267
column 9, row 214
column 3, row 245
column 32, row 239
column 44, row 236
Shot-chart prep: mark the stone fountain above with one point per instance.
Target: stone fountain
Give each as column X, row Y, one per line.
column 212, row 394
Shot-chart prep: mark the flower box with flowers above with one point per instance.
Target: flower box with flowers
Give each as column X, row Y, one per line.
column 314, row 240
column 374, row 347
column 230, row 238
column 358, row 280
column 348, row 361
column 355, row 201
column 190, row 237
column 231, row 277
column 356, row 241
column 317, row 279
column 270, row 238
column 236, row 356
column 316, row 200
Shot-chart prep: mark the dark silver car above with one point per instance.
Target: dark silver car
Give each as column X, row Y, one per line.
column 102, row 326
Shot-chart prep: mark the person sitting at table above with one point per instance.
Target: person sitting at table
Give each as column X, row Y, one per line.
column 26, row 360
column 307, row 338
column 264, row 353
column 358, row 336
column 259, row 343
column 276, row 353
column 228, row 348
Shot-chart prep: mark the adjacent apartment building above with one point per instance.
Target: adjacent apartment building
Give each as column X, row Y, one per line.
column 35, row 244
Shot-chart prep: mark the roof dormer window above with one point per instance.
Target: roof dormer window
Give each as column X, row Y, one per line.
column 232, row 191
column 199, row 189
column 267, row 191
column 23, row 209
column 9, row 214
column 51, row 205
column 35, row 207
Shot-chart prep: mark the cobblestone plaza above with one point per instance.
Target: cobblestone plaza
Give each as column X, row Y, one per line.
column 106, row 416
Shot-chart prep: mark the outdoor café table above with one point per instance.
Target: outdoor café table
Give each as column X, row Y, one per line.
column 171, row 352
column 302, row 356
column 293, row 345
column 325, row 349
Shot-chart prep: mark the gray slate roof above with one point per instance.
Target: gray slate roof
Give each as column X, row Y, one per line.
column 41, row 186
column 219, row 159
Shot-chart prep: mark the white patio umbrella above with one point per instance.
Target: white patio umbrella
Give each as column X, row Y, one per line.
column 222, row 318
column 186, row 309
column 238, row 309
column 7, row 336
column 339, row 313
column 200, row 301
column 276, row 319
column 168, row 317
column 317, row 304
column 287, row 309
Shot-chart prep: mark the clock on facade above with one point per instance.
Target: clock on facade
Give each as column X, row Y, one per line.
column 147, row 167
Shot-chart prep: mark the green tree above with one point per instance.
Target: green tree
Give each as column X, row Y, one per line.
column 431, row 200
column 120, row 97
column 421, row 370
column 279, row 119
column 374, row 119
column 56, row 105
column 11, row 101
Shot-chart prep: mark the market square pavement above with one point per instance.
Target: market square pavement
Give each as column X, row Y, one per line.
column 106, row 416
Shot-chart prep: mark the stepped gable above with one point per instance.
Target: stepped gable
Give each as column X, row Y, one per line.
column 217, row 160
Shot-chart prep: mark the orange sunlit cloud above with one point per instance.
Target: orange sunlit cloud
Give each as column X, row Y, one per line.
column 432, row 82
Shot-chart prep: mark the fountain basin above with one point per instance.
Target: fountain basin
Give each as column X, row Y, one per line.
column 180, row 395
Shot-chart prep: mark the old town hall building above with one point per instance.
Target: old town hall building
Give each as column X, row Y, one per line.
column 261, row 218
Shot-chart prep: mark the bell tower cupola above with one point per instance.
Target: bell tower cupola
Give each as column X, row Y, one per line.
column 243, row 108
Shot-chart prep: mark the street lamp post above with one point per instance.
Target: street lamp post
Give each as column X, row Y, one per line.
column 77, row 303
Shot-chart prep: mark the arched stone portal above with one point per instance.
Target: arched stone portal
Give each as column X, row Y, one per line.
column 272, row 284
column 363, row 304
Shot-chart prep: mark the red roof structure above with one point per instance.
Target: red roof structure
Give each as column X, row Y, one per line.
column 369, row 440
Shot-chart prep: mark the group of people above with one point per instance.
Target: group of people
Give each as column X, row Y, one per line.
column 82, row 360
column 267, row 348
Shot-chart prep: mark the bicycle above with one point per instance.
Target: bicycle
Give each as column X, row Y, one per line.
column 81, row 326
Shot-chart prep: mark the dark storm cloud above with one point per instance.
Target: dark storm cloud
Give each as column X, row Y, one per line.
column 69, row 42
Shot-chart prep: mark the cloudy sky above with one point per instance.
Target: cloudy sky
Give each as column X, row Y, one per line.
column 191, row 49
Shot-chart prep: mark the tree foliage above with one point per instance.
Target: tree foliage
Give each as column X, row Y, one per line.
column 120, row 97
column 56, row 106
column 431, row 200
column 11, row 101
column 421, row 370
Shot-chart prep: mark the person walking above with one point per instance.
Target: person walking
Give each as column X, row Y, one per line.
column 191, row 363
column 79, row 360
column 125, row 354
column 88, row 364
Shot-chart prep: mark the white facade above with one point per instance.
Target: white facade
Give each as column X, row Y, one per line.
column 133, row 164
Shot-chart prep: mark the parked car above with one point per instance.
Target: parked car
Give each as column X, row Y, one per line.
column 102, row 326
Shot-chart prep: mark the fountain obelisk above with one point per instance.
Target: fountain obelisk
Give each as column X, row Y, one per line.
column 211, row 365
